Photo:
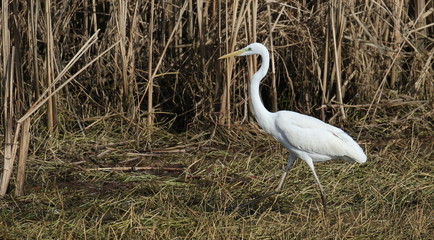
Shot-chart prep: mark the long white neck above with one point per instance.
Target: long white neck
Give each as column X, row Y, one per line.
column 262, row 114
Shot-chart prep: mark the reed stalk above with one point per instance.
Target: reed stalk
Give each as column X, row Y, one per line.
column 325, row 70
column 49, row 63
column 94, row 18
column 22, row 161
column 33, row 19
column 150, row 86
column 273, row 67
column 8, row 106
column 6, row 47
column 338, row 23
column 397, row 39
column 127, row 97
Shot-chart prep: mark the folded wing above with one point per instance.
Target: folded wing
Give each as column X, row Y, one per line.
column 312, row 135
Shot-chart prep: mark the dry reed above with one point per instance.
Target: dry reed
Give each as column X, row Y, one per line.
column 148, row 71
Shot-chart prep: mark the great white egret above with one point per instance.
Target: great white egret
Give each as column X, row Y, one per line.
column 304, row 136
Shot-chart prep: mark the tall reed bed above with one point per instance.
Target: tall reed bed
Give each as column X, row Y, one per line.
column 155, row 62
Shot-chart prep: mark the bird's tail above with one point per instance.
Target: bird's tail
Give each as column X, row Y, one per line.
column 358, row 155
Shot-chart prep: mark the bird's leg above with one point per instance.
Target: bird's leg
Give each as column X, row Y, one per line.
column 291, row 160
column 323, row 196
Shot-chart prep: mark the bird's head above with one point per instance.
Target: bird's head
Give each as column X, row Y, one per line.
column 251, row 49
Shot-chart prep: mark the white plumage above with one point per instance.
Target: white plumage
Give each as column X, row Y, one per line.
column 305, row 137
column 298, row 132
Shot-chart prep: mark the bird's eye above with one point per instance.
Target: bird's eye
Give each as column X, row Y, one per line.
column 250, row 49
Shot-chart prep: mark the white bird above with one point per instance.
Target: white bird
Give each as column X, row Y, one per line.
column 304, row 136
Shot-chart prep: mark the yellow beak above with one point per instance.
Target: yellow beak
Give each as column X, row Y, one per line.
column 236, row 53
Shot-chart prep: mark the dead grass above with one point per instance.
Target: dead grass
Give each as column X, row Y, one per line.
column 389, row 197
column 153, row 136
